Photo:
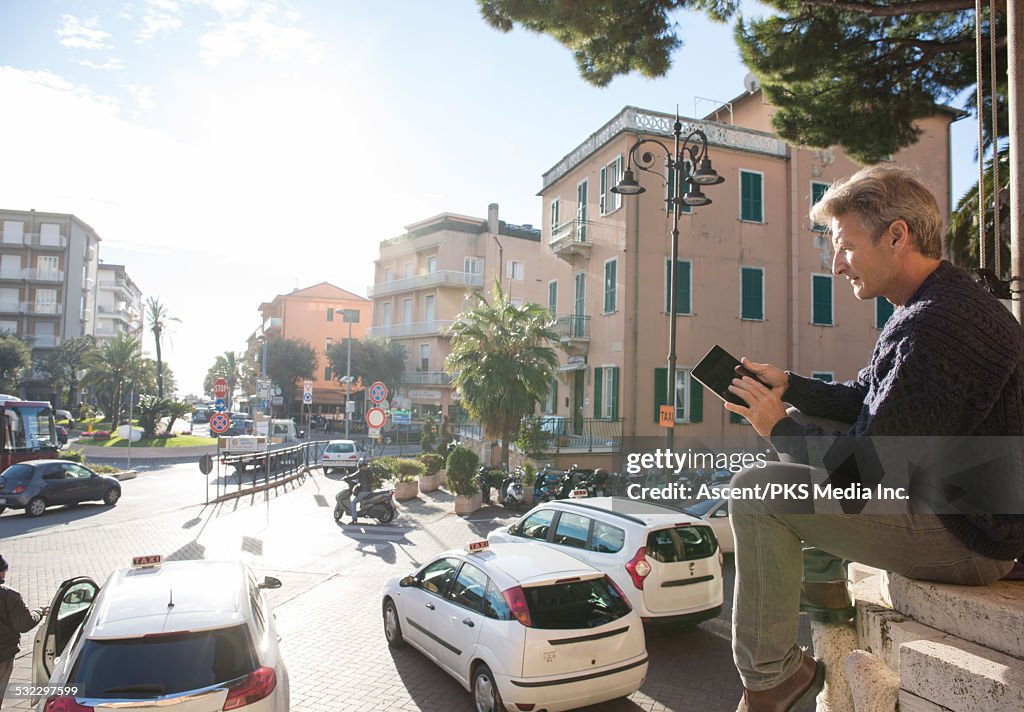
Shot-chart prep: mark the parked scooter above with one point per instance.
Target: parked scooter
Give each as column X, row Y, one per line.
column 547, row 485
column 512, row 495
column 380, row 504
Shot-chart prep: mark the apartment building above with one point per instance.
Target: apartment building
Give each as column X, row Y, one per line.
column 119, row 308
column 48, row 270
column 421, row 282
column 754, row 275
column 311, row 314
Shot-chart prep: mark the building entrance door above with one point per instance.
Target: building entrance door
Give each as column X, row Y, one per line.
column 577, row 402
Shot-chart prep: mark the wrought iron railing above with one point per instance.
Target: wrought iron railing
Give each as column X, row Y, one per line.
column 572, row 326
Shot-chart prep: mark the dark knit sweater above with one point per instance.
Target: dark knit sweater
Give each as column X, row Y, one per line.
column 949, row 362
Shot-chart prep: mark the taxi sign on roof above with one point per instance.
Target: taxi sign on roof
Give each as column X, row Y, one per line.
column 578, row 493
column 140, row 562
column 475, row 546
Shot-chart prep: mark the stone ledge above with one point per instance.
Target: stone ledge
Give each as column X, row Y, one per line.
column 961, row 676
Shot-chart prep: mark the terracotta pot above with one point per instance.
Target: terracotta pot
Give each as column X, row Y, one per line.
column 468, row 504
column 406, row 490
column 429, row 483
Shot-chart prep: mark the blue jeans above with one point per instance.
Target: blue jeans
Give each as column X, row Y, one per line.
column 355, row 503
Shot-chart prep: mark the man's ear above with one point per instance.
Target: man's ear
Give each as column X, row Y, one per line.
column 899, row 232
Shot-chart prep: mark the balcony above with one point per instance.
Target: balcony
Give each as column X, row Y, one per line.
column 11, row 308
column 426, row 378
column 444, row 278
column 45, row 342
column 42, row 308
column 34, row 274
column 572, row 238
column 52, row 242
column 418, row 328
column 120, row 311
column 573, row 331
column 105, row 332
column 271, row 323
column 16, row 273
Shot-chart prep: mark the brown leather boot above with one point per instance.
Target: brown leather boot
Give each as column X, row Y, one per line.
column 827, row 601
column 790, row 695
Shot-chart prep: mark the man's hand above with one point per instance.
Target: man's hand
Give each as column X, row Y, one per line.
column 764, row 400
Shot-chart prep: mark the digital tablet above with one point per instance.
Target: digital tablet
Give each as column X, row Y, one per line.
column 716, row 371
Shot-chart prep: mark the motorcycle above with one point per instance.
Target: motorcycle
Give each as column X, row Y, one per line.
column 379, row 505
column 546, row 487
column 512, row 495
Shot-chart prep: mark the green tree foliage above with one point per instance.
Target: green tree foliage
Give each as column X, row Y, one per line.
column 176, row 409
column 502, row 361
column 962, row 241
column 853, row 73
column 149, row 411
column 60, row 367
column 156, row 314
column 15, row 358
column 110, row 367
column 228, row 366
column 373, row 359
column 288, row 362
column 460, row 471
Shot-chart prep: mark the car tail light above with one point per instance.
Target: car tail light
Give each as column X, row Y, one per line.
column 19, row 489
column 618, row 590
column 638, row 568
column 64, row 703
column 260, row 683
column 516, row 600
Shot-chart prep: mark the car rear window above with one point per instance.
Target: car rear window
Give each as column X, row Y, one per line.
column 17, row 474
column 684, row 543
column 575, row 604
column 340, row 447
column 162, row 664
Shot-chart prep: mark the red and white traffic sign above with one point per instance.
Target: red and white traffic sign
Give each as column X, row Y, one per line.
column 220, row 387
column 375, row 418
column 220, row 423
column 378, row 392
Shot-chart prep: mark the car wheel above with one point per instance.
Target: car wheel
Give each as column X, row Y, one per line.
column 111, row 496
column 392, row 626
column 36, row 506
column 485, row 691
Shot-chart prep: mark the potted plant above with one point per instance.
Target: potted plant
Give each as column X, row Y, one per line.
column 529, row 480
column 406, row 475
column 460, row 476
column 430, row 480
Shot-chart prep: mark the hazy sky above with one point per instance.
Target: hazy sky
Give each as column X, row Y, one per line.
column 227, row 151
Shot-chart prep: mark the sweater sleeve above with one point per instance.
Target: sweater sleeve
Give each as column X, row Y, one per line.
column 837, row 401
column 20, row 618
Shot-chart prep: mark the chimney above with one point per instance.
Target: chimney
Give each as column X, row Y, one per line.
column 492, row 218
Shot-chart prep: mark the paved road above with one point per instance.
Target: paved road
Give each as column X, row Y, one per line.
column 328, row 609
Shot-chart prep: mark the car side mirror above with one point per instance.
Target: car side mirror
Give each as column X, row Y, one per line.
column 721, row 513
column 408, row 582
column 76, row 596
column 270, row 582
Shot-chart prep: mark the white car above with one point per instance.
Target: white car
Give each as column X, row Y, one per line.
column 523, row 627
column 715, row 511
column 191, row 636
column 668, row 563
column 343, row 454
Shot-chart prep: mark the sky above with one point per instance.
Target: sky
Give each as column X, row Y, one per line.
column 227, row 151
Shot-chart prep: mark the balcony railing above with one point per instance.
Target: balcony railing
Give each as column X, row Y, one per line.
column 43, row 275
column 572, row 327
column 431, row 279
column 11, row 308
column 417, row 328
column 34, row 239
column 560, row 434
column 273, row 322
column 12, row 273
column 426, row 378
column 44, row 308
column 572, row 237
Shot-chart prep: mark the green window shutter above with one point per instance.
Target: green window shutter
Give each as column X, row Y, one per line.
column 330, row 314
column 660, row 384
column 752, row 287
column 554, row 396
column 822, row 304
column 883, row 310
column 604, row 190
column 696, row 399
column 751, row 207
column 609, row 285
column 552, row 297
column 682, row 286
column 614, row 395
column 670, row 189
column 598, row 379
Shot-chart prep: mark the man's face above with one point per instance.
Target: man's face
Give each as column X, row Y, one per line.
column 869, row 267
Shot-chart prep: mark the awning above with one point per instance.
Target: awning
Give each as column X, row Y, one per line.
column 572, row 367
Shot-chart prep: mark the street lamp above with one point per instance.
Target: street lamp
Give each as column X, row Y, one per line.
column 689, row 167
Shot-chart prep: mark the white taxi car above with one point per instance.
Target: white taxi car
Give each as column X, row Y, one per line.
column 668, row 563
column 523, row 627
column 341, row 454
column 191, row 636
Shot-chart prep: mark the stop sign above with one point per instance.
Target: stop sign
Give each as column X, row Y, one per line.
column 220, row 387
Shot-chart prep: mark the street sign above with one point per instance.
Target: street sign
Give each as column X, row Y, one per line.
column 307, row 386
column 266, row 404
column 220, row 387
column 206, row 464
column 218, row 405
column 378, row 392
column 220, row 423
column 373, row 433
column 375, row 418
column 401, row 417
column 667, row 416
column 307, row 398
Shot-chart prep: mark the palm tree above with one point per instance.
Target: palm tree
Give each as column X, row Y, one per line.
column 962, row 235
column 501, row 362
column 109, row 367
column 158, row 318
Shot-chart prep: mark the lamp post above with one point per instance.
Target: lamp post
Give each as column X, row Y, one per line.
column 688, row 168
column 349, row 316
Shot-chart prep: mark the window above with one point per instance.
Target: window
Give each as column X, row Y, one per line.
column 46, row 301
column 436, row 576
column 514, row 270
column 495, row 605
column 551, row 403
column 752, row 293
column 387, row 274
column 572, row 530
column 670, row 189
column 407, row 311
column 556, row 210
column 581, row 211
column 327, row 373
column 821, row 299
column 826, row 376
column 610, row 176
column 408, row 269
column 328, row 344
column 424, row 357
column 48, row 265
column 883, row 310
column 606, row 392
column 817, row 191
column 683, row 284
column 385, row 317
column 606, row 539
column 428, row 307
column 13, row 232
column 469, row 587
column 330, row 314
column 610, row 269
column 689, row 396
column 751, row 196
column 472, row 265
column 553, row 297
column 431, row 265
column 535, row 526
column 49, row 234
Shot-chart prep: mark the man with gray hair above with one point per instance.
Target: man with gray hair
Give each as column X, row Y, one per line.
column 949, row 362
column 15, row 619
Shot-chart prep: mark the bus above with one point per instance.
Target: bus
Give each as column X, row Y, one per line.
column 28, row 432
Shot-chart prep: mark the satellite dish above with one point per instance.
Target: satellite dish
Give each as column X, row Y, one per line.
column 751, row 83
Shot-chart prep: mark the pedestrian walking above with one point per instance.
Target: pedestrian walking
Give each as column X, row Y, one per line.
column 15, row 619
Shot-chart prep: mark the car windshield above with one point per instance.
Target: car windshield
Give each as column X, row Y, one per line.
column 164, row 664
column 700, row 507
column 684, row 543
column 575, row 604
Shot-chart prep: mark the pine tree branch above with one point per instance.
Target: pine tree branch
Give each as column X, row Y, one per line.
column 918, row 7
